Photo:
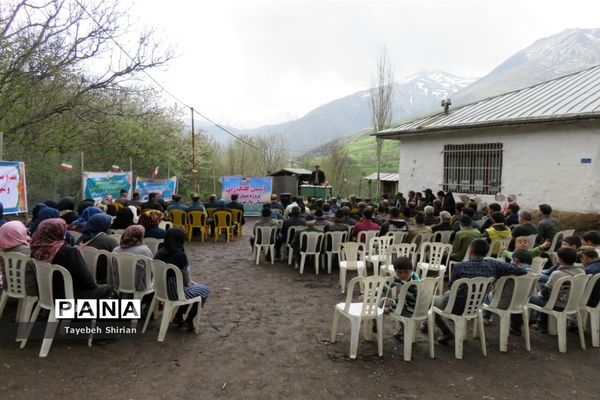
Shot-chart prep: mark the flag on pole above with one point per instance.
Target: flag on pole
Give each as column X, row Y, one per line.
column 115, row 168
column 155, row 172
column 66, row 167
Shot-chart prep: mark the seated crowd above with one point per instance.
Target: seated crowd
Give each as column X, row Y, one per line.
column 472, row 229
column 57, row 231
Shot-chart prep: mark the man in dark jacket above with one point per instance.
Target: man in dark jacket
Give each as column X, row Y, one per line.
column 317, row 177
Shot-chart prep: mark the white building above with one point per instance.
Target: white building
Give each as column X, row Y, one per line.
column 541, row 143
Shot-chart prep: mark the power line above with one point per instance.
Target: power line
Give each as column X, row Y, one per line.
column 164, row 89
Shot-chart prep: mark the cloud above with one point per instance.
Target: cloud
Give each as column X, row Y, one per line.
column 250, row 63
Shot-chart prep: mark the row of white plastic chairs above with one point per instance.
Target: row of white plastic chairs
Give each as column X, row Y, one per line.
column 125, row 268
column 370, row 310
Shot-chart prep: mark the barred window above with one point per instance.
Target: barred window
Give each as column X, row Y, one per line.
column 473, row 168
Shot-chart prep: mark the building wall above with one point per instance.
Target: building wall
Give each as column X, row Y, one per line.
column 540, row 164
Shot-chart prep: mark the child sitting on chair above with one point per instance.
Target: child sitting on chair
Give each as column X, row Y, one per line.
column 403, row 273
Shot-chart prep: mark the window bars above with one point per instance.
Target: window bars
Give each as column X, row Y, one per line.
column 473, row 168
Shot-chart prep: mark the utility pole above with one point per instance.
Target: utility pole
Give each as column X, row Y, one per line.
column 193, row 154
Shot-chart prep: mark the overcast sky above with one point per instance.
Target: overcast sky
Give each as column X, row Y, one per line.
column 248, row 63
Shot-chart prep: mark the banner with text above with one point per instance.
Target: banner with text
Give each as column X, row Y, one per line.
column 166, row 187
column 97, row 185
column 253, row 192
column 13, row 189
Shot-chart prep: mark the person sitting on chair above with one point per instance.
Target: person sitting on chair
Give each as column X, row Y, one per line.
column 317, row 178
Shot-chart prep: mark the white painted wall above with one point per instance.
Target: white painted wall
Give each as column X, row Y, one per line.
column 540, row 164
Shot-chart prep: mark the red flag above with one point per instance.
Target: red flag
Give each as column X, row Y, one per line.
column 155, row 172
column 66, row 167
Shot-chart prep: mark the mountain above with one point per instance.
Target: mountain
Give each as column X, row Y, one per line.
column 350, row 114
column 566, row 52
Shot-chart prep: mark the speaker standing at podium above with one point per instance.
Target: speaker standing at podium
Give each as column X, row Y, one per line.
column 317, row 178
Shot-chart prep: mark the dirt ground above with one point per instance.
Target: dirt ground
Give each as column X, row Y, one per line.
column 264, row 335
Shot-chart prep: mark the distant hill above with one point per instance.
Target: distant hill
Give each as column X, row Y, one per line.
column 566, row 52
column 352, row 113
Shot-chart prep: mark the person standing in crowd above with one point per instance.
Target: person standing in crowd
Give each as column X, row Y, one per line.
column 317, row 177
column 548, row 226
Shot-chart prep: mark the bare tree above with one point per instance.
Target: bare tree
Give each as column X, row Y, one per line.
column 382, row 92
column 46, row 49
column 338, row 162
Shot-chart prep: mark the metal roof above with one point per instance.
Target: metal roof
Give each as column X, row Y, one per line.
column 573, row 96
column 384, row 176
column 291, row 171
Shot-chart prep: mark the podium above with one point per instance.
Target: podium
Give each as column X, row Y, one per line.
column 322, row 192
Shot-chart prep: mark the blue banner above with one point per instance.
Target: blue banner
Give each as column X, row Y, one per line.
column 98, row 185
column 165, row 187
column 253, row 192
column 13, row 188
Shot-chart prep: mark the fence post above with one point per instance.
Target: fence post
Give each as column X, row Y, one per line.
column 82, row 178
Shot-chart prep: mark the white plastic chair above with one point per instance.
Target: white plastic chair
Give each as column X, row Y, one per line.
column 475, row 291
column 524, row 286
column 349, row 262
column 593, row 311
column 442, row 237
column 398, row 236
column 378, row 247
column 152, row 244
column 44, row 272
column 91, row 255
column 264, row 239
column 15, row 265
column 434, row 257
column 292, row 231
column 125, row 266
column 531, row 239
column 497, row 248
column 422, row 311
column 421, row 238
column 395, row 251
column 310, row 245
column 116, row 236
column 367, row 310
column 537, row 264
column 576, row 291
column 160, row 270
column 364, row 239
column 333, row 242
column 556, row 241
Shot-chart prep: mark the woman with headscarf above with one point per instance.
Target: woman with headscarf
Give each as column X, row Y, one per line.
column 123, row 219
column 66, row 208
column 150, row 219
column 42, row 215
column 132, row 242
column 172, row 252
column 51, row 204
column 48, row 244
column 14, row 239
column 95, row 235
column 135, row 212
column 79, row 224
column 449, row 204
column 85, row 204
